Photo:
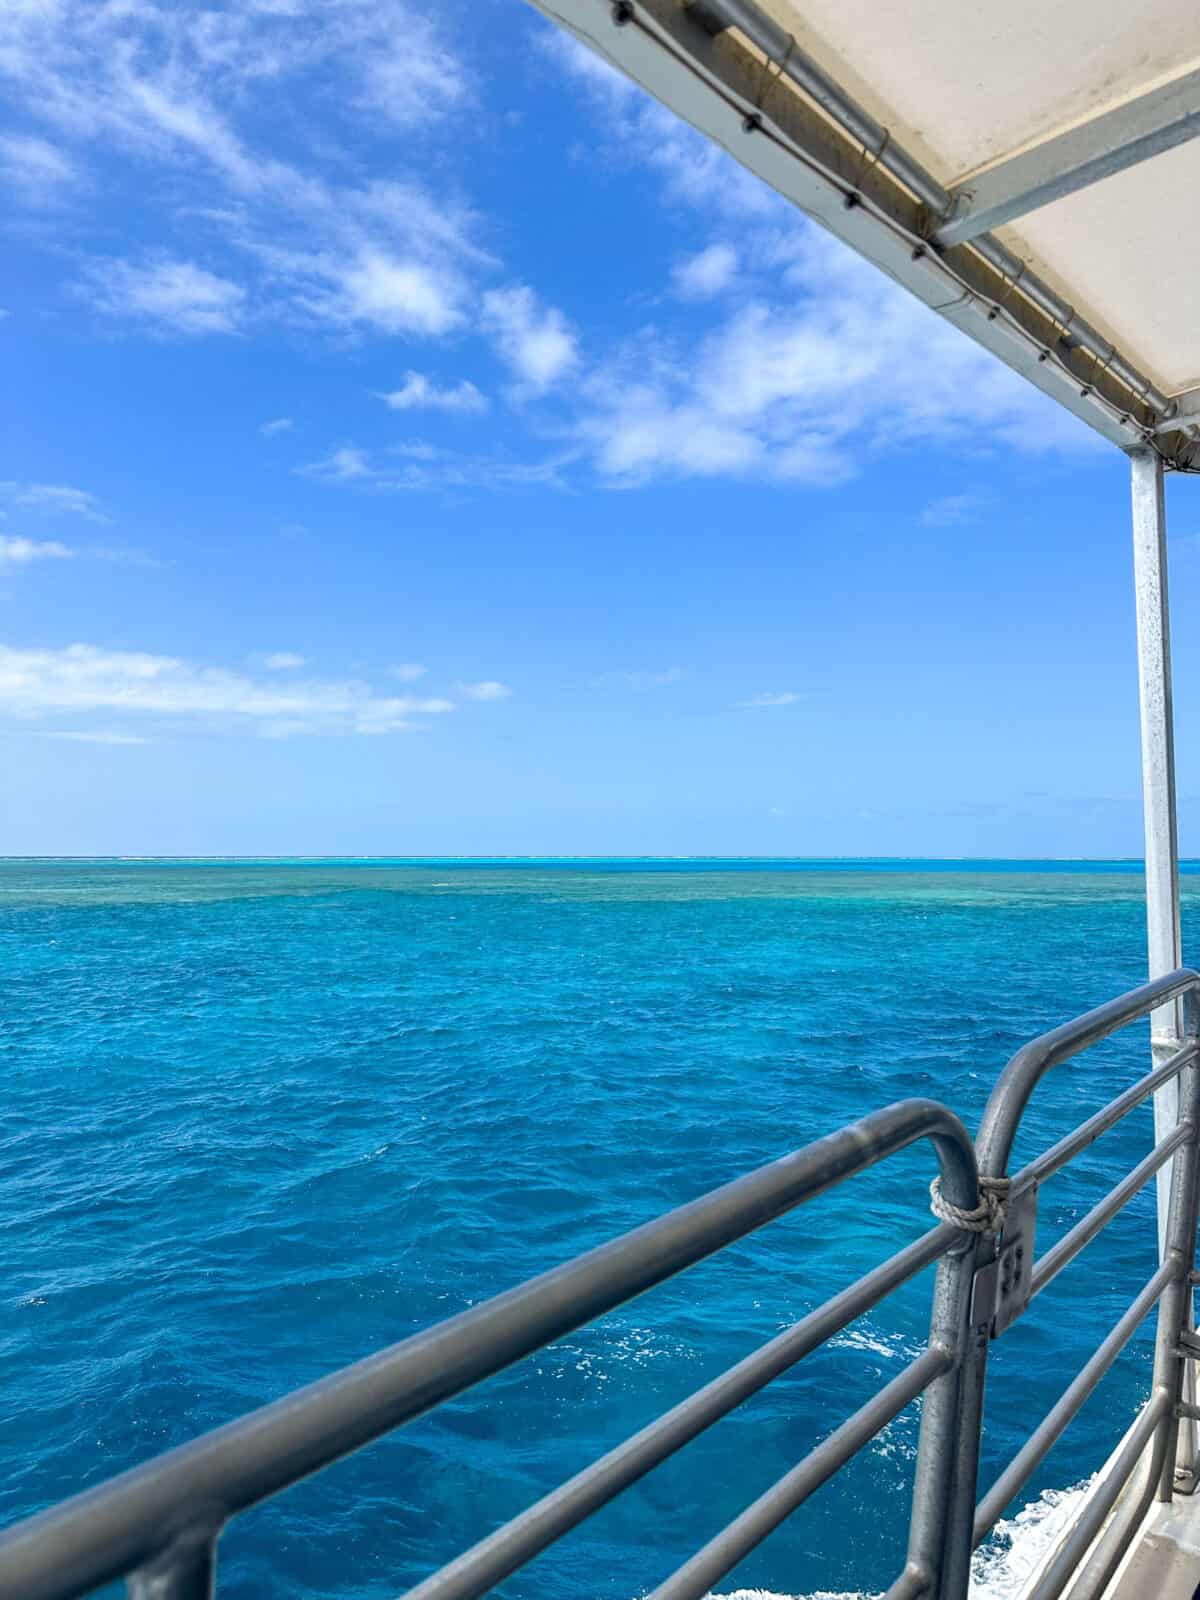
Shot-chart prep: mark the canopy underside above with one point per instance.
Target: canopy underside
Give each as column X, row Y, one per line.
column 1032, row 173
column 966, row 87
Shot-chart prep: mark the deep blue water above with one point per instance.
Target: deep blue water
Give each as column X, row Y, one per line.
column 263, row 1118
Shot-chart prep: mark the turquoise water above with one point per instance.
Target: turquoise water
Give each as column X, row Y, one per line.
column 262, row 1118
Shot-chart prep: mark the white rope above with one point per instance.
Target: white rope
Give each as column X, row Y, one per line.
column 987, row 1217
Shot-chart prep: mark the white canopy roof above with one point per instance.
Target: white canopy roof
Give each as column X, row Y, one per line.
column 1032, row 171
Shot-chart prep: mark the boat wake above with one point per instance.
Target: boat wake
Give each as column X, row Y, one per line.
column 1002, row 1566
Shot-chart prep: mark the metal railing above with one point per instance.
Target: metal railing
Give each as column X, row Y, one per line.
column 158, row 1524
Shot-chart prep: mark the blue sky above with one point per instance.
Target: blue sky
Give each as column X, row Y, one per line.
column 414, row 441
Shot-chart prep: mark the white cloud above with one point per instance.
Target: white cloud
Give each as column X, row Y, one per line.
column 417, row 392
column 803, row 379
column 536, row 341
column 410, row 76
column 179, row 89
column 823, row 361
column 171, row 295
column 36, row 684
column 425, row 467
column 162, row 79
column 17, row 551
column 489, row 689
column 38, row 171
column 98, row 736
column 53, row 498
column 284, row 661
column 399, row 296
column 640, row 681
column 783, row 697
column 278, row 425
column 408, row 671
column 341, row 466
column 951, row 509
column 702, row 276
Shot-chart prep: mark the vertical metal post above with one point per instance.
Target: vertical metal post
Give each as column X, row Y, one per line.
column 939, row 1541
column 1163, row 940
column 185, row 1570
column 1158, row 776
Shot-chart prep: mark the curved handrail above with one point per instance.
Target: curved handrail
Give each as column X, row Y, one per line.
column 188, row 1493
column 1007, row 1102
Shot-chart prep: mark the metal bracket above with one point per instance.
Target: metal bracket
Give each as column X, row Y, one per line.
column 1002, row 1286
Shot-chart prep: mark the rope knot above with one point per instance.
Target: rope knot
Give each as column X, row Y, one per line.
column 986, row 1217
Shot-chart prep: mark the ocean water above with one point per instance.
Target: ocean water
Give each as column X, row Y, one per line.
column 263, row 1118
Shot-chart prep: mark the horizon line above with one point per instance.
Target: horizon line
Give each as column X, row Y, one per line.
column 572, row 856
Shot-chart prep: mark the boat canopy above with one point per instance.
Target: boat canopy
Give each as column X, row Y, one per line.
column 1030, row 172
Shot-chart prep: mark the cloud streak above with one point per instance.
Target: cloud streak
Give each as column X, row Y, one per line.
column 17, row 551
column 488, row 689
column 36, row 684
column 170, row 295
column 779, row 697
column 53, row 498
column 418, row 392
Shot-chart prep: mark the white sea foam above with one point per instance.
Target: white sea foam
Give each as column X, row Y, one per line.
column 1002, row 1566
column 1007, row 1560
column 817, row 1594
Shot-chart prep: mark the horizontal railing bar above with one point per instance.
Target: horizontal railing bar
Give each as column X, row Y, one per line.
column 1085, row 1230
column 117, row 1527
column 1014, row 1477
column 1049, row 1162
column 1100, row 1502
column 492, row 1560
column 1007, row 1102
column 696, row 1577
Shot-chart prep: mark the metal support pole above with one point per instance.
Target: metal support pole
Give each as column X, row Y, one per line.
column 186, row 1569
column 1163, row 941
column 939, row 1543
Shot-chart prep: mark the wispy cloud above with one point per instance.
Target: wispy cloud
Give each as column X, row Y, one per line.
column 150, row 75
column 53, row 498
column 825, row 362
column 706, row 274
column 180, row 89
column 169, row 295
column 631, row 126
column 17, row 551
column 40, row 684
column 781, row 697
column 39, row 172
column 952, row 509
column 419, row 392
column 276, row 426
column 639, row 681
column 536, row 341
column 96, row 736
column 418, row 466
column 408, row 671
column 341, row 466
column 822, row 361
column 284, row 661
column 488, row 689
